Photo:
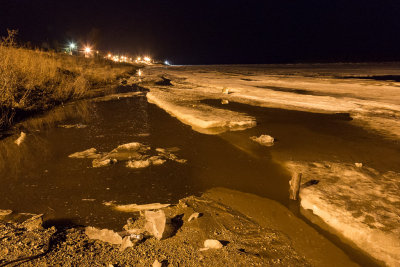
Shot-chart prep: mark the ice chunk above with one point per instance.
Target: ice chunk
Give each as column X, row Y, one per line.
column 156, row 263
column 90, row 153
column 128, row 151
column 69, row 126
column 136, row 207
column 126, row 243
column 20, row 139
column 213, row 244
column 34, row 223
column 138, row 164
column 359, row 203
column 156, row 160
column 358, row 164
column 104, row 235
column 96, row 163
column 265, row 140
column 194, row 216
column 155, row 223
column 5, row 212
column 166, row 153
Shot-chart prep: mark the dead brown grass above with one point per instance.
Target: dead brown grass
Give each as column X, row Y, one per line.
column 34, row 80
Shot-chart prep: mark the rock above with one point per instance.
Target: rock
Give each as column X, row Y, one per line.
column 225, row 90
column 194, row 216
column 155, row 223
column 104, row 235
column 265, row 140
column 138, row 164
column 156, row 263
column 224, row 101
column 34, row 223
column 5, row 212
column 135, row 207
column 358, row 164
column 20, row 139
column 212, row 244
column 90, row 153
column 126, row 243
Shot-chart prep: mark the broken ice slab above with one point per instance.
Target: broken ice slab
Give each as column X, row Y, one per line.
column 137, row 155
column 90, row 153
column 138, row 164
column 5, row 212
column 69, row 126
column 136, row 207
column 34, row 223
column 104, row 235
column 128, row 151
column 360, row 204
column 155, row 223
column 126, row 243
column 96, row 163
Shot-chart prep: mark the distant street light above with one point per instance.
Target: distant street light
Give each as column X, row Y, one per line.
column 71, row 47
column 87, row 51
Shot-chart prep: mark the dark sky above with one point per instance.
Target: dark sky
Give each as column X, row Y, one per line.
column 216, row 32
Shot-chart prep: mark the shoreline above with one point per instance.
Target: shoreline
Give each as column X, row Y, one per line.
column 253, row 230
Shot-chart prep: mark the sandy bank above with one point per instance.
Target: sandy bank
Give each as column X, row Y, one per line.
column 253, row 231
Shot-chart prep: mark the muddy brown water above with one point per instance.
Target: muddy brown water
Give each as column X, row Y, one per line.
column 39, row 177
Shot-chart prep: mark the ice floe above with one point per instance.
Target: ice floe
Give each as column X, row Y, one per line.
column 371, row 103
column 136, row 155
column 360, row 204
column 90, row 153
column 265, row 140
column 201, row 117
column 136, row 207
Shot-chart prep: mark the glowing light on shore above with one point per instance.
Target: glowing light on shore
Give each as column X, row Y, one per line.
column 147, row 59
column 87, row 50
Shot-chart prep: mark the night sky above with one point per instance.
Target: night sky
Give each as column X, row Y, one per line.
column 216, row 32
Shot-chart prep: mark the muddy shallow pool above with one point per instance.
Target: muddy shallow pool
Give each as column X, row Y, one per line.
column 38, row 176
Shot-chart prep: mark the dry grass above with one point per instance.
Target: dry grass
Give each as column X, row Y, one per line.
column 34, row 80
